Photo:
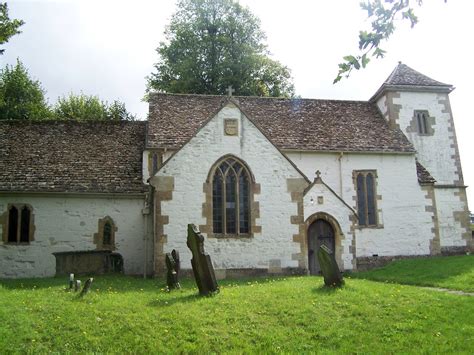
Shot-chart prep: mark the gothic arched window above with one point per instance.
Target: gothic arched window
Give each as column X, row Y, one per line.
column 20, row 227
column 107, row 237
column 366, row 203
column 231, row 198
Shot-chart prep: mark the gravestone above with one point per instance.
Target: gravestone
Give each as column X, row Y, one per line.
column 87, row 287
column 77, row 285
column 329, row 268
column 175, row 255
column 201, row 262
column 71, row 281
column 172, row 266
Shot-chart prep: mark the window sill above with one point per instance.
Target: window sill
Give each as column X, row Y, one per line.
column 377, row 226
column 230, row 236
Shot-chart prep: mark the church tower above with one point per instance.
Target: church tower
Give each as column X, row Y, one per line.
column 419, row 106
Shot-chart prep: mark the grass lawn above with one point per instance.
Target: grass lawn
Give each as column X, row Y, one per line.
column 295, row 314
column 454, row 272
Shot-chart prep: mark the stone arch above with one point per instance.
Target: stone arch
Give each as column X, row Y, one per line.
column 214, row 166
column 338, row 235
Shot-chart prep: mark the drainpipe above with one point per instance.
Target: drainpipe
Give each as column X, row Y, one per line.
column 146, row 213
column 341, row 154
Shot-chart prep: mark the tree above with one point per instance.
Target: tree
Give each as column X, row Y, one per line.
column 384, row 14
column 89, row 108
column 8, row 28
column 20, row 96
column 211, row 44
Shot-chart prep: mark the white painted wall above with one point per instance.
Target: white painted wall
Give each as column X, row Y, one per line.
column 190, row 167
column 68, row 223
column 406, row 225
column 450, row 230
column 334, row 207
column 434, row 152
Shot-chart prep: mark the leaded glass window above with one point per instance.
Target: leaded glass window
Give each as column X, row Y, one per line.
column 366, row 198
column 231, row 198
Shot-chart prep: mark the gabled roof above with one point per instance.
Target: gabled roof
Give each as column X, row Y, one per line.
column 404, row 78
column 55, row 156
column 424, row 176
column 290, row 124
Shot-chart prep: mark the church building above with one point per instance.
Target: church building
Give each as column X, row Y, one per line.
column 266, row 180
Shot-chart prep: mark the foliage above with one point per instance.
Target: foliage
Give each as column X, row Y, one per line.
column 284, row 315
column 211, row 44
column 383, row 14
column 455, row 272
column 20, row 96
column 84, row 107
column 8, row 27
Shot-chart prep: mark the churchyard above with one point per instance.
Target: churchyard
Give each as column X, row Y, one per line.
column 280, row 314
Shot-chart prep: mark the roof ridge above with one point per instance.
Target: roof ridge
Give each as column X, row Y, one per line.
column 258, row 97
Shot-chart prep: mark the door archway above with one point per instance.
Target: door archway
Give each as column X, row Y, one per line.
column 320, row 232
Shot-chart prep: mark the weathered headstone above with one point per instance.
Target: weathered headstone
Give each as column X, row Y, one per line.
column 201, row 262
column 175, row 255
column 86, row 287
column 329, row 268
column 77, row 285
column 172, row 266
column 71, row 281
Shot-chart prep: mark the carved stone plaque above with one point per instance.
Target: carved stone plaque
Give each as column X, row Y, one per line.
column 231, row 127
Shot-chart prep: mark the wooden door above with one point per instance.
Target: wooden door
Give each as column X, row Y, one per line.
column 320, row 233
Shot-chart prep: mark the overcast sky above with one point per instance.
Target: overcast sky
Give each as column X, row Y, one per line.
column 107, row 48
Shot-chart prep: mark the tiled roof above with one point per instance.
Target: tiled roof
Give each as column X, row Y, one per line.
column 424, row 177
column 291, row 124
column 404, row 75
column 404, row 78
column 52, row 156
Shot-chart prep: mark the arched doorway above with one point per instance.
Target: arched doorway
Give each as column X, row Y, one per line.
column 320, row 232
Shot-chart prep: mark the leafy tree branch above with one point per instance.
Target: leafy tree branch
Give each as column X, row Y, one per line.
column 383, row 15
column 8, row 27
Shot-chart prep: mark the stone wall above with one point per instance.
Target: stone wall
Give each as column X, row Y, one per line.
column 438, row 152
column 404, row 224
column 454, row 225
column 271, row 246
column 68, row 223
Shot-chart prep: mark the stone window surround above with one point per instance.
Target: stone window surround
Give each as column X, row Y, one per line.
column 207, row 205
column 99, row 236
column 430, row 122
column 31, row 227
column 377, row 198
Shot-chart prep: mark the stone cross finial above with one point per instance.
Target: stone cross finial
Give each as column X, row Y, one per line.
column 318, row 174
column 230, row 91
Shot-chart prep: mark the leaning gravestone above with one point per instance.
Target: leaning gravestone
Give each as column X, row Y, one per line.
column 172, row 266
column 86, row 287
column 329, row 268
column 201, row 262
